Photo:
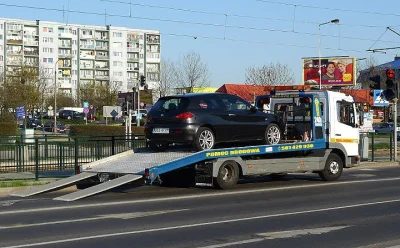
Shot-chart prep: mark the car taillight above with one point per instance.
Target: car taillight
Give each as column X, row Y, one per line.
column 184, row 116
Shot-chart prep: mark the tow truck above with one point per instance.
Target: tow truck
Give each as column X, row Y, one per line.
column 320, row 135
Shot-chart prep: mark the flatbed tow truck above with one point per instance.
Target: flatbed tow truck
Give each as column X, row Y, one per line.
column 321, row 136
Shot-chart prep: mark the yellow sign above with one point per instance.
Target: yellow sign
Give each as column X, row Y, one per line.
column 317, row 109
column 232, row 152
column 295, row 147
column 344, row 140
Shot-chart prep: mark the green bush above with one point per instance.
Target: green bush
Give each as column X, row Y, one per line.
column 8, row 129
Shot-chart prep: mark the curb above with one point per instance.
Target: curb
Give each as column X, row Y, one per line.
column 12, row 190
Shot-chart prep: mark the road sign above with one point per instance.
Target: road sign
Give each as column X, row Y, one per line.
column 20, row 111
column 86, row 104
column 112, row 111
column 85, row 110
column 380, row 99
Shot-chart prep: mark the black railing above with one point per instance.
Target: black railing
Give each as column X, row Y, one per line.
column 43, row 154
column 380, row 146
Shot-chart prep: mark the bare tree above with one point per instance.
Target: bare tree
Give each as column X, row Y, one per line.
column 192, row 72
column 272, row 74
column 44, row 86
column 168, row 79
column 364, row 70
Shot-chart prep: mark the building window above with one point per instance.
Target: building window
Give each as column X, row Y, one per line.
column 1, row 26
column 117, row 34
column 50, row 30
column 117, row 63
column 74, row 32
column 48, row 40
column 47, row 50
column 117, row 54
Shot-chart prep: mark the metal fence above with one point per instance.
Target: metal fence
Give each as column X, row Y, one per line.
column 43, row 154
column 380, row 146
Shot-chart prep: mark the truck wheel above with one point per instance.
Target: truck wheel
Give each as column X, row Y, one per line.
column 272, row 134
column 333, row 168
column 204, row 139
column 158, row 146
column 228, row 175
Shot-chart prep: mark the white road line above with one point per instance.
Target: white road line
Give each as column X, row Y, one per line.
column 202, row 224
column 279, row 235
column 196, row 196
column 122, row 216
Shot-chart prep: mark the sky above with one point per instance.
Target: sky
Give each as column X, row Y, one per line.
column 232, row 35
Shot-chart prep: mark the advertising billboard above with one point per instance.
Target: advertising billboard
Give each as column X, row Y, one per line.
column 336, row 71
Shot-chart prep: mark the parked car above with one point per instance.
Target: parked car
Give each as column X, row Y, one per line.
column 206, row 119
column 71, row 114
column 30, row 123
column 49, row 127
column 386, row 128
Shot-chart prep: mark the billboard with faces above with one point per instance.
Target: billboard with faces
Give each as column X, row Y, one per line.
column 336, row 71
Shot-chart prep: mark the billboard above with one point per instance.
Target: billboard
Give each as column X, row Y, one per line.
column 336, row 71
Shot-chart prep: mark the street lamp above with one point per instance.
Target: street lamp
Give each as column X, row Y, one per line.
column 55, row 97
column 335, row 21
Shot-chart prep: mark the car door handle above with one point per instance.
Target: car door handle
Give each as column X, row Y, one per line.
column 338, row 134
column 231, row 114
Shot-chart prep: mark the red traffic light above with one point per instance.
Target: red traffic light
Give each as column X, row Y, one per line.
column 390, row 73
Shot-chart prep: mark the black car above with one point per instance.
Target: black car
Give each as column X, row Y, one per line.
column 205, row 119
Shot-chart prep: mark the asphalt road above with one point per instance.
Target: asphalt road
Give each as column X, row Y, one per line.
column 360, row 210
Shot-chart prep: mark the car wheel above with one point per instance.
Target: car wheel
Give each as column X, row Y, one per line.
column 228, row 175
column 204, row 139
column 272, row 134
column 333, row 168
column 158, row 146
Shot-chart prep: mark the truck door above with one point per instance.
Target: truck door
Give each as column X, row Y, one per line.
column 343, row 125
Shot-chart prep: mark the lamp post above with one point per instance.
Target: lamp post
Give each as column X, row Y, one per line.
column 55, row 97
column 335, row 21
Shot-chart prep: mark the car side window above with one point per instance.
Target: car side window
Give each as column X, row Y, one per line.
column 234, row 103
column 209, row 102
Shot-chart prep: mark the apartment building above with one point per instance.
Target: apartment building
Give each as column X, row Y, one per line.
column 76, row 55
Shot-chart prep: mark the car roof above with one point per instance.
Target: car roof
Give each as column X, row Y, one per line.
column 189, row 95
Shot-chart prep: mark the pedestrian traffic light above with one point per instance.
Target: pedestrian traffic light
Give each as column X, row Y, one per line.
column 391, row 89
column 142, row 80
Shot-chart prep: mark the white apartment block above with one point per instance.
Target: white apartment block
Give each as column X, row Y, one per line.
column 78, row 54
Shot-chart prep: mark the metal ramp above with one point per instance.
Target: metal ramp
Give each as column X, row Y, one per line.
column 99, row 188
column 62, row 183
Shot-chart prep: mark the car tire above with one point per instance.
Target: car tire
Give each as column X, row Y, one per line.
column 333, row 168
column 273, row 134
column 228, row 175
column 204, row 139
column 158, row 146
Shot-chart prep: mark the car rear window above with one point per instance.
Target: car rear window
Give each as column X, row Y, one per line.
column 171, row 104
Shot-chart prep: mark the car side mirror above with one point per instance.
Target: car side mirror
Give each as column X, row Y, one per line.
column 253, row 109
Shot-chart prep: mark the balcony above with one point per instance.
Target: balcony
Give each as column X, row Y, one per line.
column 31, row 53
column 101, row 37
column 153, row 40
column 101, row 47
column 133, row 68
column 102, row 57
column 14, row 53
column 87, row 77
column 65, row 56
column 133, row 59
column 133, row 78
column 64, row 45
column 102, row 77
column 86, row 46
column 98, row 67
column 32, row 63
column 31, row 43
column 85, row 36
column 14, row 62
column 65, row 35
column 14, row 40
column 155, row 70
column 87, row 56
column 66, row 65
column 87, row 67
column 133, row 49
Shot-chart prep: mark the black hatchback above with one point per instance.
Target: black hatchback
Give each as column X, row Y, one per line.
column 205, row 119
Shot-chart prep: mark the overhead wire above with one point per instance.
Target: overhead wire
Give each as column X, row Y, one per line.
column 187, row 22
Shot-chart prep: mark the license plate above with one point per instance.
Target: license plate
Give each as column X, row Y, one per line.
column 160, row 130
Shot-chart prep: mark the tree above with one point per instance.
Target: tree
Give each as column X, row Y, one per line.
column 272, row 74
column 168, row 78
column 192, row 72
column 365, row 69
column 99, row 95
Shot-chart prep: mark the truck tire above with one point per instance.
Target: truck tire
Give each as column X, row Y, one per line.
column 273, row 134
column 333, row 168
column 158, row 146
column 228, row 175
column 204, row 139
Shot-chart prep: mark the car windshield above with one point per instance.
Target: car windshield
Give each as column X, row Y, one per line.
column 171, row 104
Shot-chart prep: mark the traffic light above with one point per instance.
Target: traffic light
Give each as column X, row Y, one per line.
column 142, row 80
column 376, row 85
column 391, row 89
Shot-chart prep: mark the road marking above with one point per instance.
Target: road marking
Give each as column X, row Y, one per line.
column 123, row 216
column 279, row 235
column 195, row 196
column 202, row 224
